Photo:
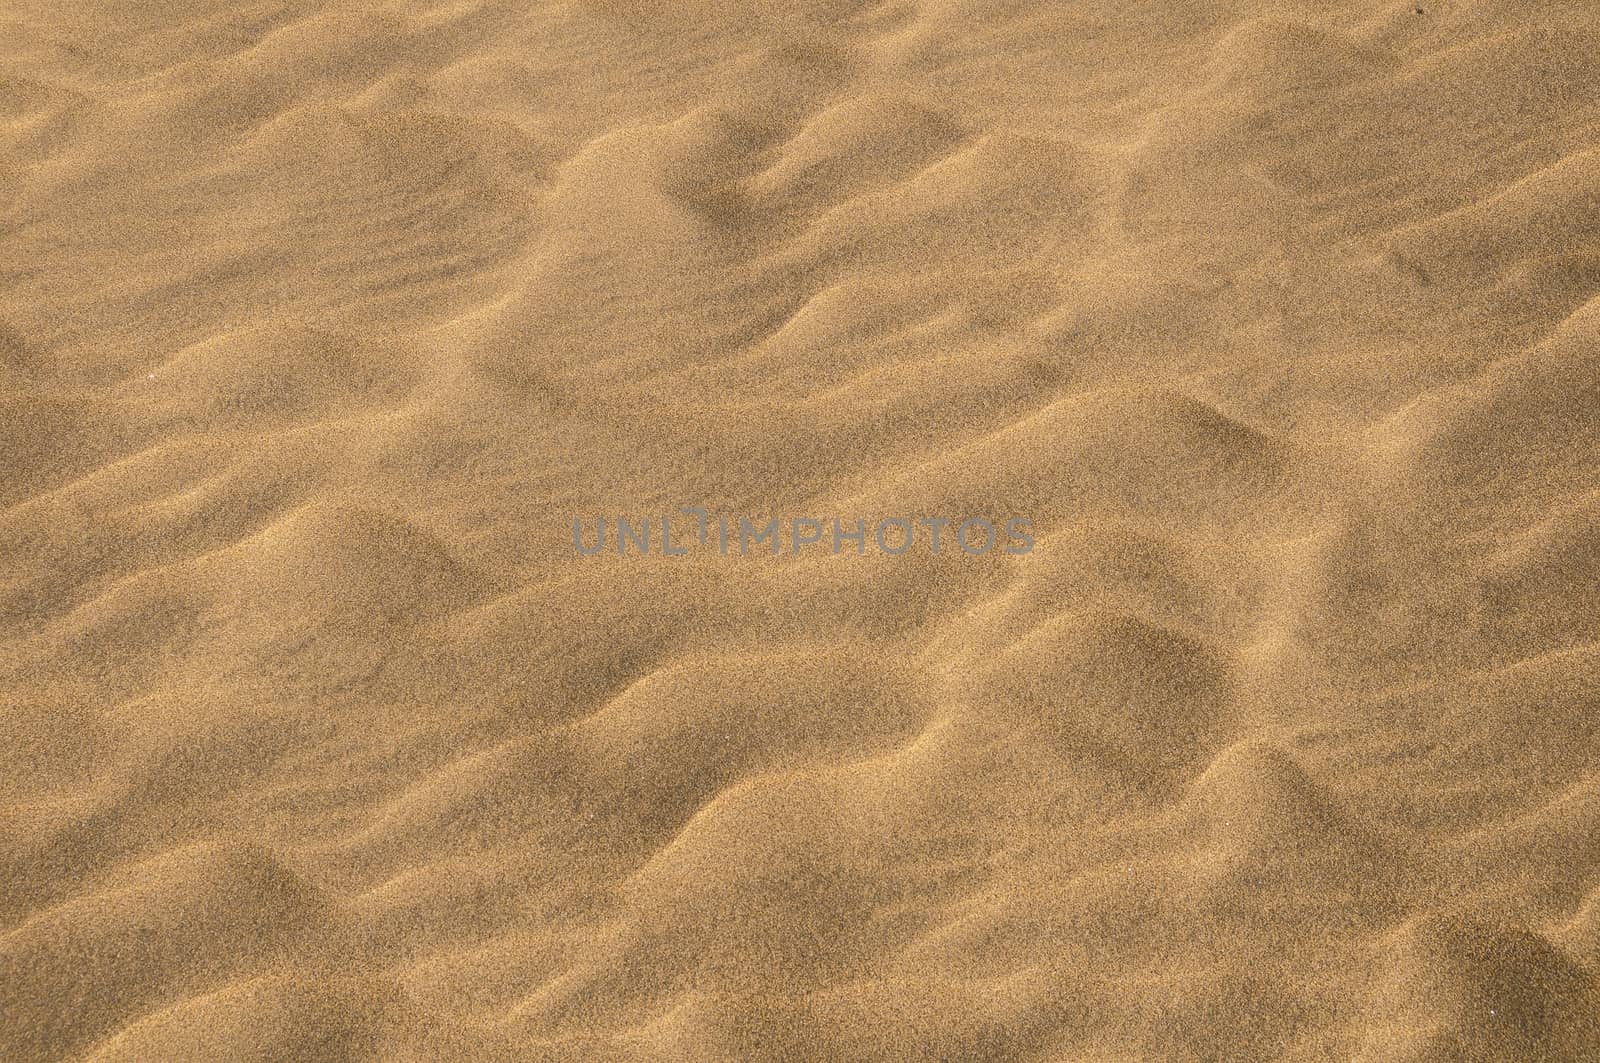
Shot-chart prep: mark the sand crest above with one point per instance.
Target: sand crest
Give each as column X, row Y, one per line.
column 1276, row 326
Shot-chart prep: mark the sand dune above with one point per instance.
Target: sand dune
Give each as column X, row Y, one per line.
column 322, row 323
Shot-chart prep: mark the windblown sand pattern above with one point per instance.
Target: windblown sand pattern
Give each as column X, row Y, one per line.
column 321, row 322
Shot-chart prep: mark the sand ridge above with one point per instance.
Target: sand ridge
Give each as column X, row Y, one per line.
column 322, row 321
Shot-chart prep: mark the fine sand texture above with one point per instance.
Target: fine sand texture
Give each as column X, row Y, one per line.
column 321, row 323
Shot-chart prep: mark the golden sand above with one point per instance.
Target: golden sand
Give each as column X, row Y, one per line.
column 321, row 323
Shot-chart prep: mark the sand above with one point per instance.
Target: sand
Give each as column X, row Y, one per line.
column 321, row 323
